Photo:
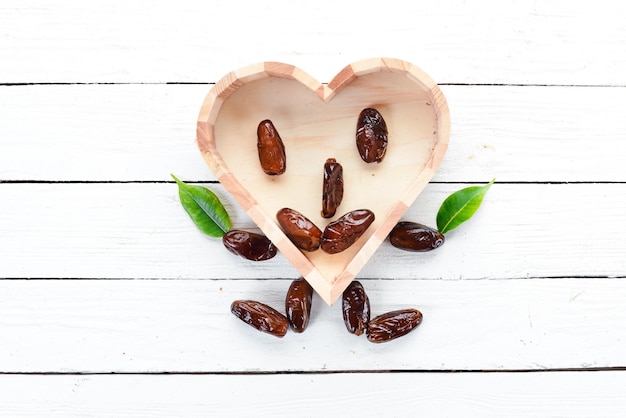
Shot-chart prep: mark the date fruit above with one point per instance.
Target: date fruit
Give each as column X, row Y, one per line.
column 342, row 233
column 260, row 316
column 355, row 306
column 299, row 229
column 371, row 136
column 298, row 304
column 332, row 189
column 412, row 236
column 394, row 324
column 271, row 149
column 255, row 247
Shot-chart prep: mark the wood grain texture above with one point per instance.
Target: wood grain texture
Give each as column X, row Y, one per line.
column 560, row 394
column 155, row 326
column 141, row 231
column 554, row 42
column 144, row 132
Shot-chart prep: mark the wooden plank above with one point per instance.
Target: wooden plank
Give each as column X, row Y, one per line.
column 142, row 231
column 159, row 326
column 144, row 132
column 545, row 394
column 99, row 132
column 553, row 42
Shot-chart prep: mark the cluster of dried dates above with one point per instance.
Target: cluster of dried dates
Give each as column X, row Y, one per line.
column 267, row 319
column 355, row 306
column 337, row 236
column 347, row 229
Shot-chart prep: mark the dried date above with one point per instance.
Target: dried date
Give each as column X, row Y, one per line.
column 332, row 189
column 371, row 136
column 255, row 247
column 412, row 236
column 355, row 306
column 394, row 324
column 299, row 229
column 271, row 149
column 342, row 233
column 261, row 316
column 298, row 304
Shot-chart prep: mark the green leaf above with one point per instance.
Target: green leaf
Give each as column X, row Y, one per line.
column 204, row 209
column 460, row 206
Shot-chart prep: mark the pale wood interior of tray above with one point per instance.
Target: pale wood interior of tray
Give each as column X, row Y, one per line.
column 314, row 130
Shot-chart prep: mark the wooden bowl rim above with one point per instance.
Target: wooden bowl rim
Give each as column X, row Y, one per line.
column 329, row 290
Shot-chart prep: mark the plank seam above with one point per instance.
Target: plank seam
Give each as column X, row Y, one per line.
column 564, row 277
column 321, row 372
column 205, row 83
column 514, row 182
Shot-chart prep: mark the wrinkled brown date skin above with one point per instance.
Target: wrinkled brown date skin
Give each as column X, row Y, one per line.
column 260, row 316
column 298, row 304
column 271, row 149
column 355, row 306
column 394, row 324
column 412, row 236
column 299, row 229
column 255, row 247
column 371, row 136
column 342, row 233
column 332, row 189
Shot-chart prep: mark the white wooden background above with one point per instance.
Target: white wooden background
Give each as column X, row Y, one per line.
column 113, row 304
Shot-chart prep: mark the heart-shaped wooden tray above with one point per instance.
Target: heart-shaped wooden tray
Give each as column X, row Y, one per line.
column 317, row 122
